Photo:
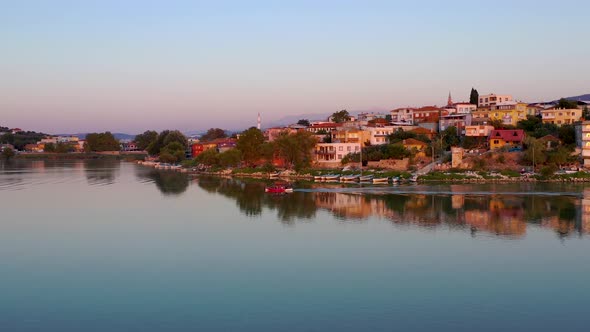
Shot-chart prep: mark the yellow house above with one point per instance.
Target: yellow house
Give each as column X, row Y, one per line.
column 561, row 116
column 506, row 138
column 416, row 145
column 509, row 112
column 351, row 136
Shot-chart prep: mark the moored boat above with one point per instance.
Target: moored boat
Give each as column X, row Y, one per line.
column 349, row 178
column 380, row 180
column 331, row 177
column 366, row 178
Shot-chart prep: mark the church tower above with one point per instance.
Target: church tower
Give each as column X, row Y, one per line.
column 450, row 100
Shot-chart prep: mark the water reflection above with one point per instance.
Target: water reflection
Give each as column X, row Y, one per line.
column 498, row 214
column 169, row 183
column 100, row 172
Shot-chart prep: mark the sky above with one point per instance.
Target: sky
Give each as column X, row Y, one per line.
column 129, row 66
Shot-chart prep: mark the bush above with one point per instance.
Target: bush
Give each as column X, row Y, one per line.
column 548, row 171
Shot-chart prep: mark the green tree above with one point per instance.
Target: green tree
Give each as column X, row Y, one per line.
column 173, row 152
column 99, row 142
column 7, row 153
column 176, row 136
column 156, row 145
column 213, row 133
column 559, row 157
column 341, row 116
column 303, row 122
column 535, row 152
column 144, row 140
column 230, row 158
column 208, row 157
column 249, row 144
column 567, row 104
column 388, row 118
column 296, row 149
column 450, row 136
column 474, row 97
column 49, row 147
column 567, row 134
column 63, row 148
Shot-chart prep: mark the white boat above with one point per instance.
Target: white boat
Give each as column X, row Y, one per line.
column 273, row 175
column 366, row 178
column 395, row 179
column 331, row 177
column 318, row 178
column 414, row 178
column 380, row 180
column 349, row 178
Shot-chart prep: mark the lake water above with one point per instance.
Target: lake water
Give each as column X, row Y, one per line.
column 109, row 246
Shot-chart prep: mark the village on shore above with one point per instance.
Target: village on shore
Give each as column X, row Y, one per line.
column 490, row 137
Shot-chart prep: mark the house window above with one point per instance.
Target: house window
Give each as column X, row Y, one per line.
column 339, row 156
column 340, row 148
column 348, row 148
column 496, row 141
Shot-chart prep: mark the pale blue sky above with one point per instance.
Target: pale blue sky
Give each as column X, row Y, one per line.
column 73, row 66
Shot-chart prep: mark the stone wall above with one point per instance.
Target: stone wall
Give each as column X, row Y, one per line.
column 393, row 164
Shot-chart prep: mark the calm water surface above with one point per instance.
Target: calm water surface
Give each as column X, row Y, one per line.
column 109, row 246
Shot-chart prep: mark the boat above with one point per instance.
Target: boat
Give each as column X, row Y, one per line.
column 349, row 178
column 278, row 189
column 414, row 178
column 395, row 180
column 318, row 178
column 366, row 178
column 273, row 175
column 380, row 180
column 331, row 177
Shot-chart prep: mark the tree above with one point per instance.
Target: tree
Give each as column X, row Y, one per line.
column 450, row 136
column 303, row 122
column 213, row 133
column 176, row 136
column 296, row 149
column 173, row 152
column 567, row 134
column 144, row 140
column 49, row 147
column 474, row 97
column 99, row 142
column 535, row 152
column 63, row 148
column 567, row 104
column 341, row 116
column 157, row 144
column 7, row 153
column 249, row 144
column 208, row 157
column 230, row 158
column 388, row 118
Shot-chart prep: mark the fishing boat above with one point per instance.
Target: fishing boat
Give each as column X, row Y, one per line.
column 380, row 180
column 414, row 178
column 395, row 180
column 349, row 178
column 278, row 189
column 318, row 178
column 331, row 177
column 366, row 178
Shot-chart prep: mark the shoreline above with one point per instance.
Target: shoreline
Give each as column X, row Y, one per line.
column 450, row 178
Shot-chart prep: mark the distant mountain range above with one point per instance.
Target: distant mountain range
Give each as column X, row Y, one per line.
column 119, row 136
column 585, row 97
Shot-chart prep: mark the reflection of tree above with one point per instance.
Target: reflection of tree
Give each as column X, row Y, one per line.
column 251, row 198
column 499, row 214
column 101, row 172
column 169, row 183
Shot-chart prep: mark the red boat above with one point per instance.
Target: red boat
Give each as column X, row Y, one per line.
column 278, row 189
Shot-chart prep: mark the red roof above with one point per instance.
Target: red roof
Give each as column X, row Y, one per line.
column 508, row 135
column 421, row 130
